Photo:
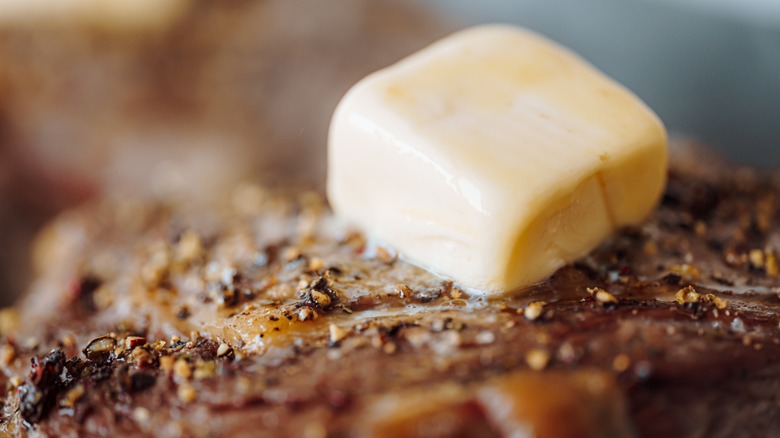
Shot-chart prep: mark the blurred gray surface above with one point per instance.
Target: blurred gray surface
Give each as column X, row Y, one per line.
column 710, row 69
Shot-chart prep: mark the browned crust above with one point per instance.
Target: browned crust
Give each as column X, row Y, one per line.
column 675, row 323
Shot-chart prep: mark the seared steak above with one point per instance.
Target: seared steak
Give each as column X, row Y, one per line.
column 264, row 316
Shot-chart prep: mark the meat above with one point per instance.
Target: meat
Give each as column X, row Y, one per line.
column 204, row 96
column 265, row 316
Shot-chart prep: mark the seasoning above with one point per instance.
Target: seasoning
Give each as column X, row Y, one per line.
column 189, row 248
column 186, row 393
column 45, row 382
column 316, row 263
column 537, row 358
column 336, row 333
column 602, row 296
column 9, row 320
column 141, row 415
column 291, row 253
column 204, row 369
column 566, row 352
column 134, row 341
column 756, row 258
column 166, row 363
column 621, row 362
column 687, row 270
column 306, row 313
column 534, row 310
column 484, row 338
column 68, row 341
column 719, row 303
column 687, row 295
column 402, row 290
column 157, row 265
column 72, row 396
column 181, row 369
column 100, row 349
column 7, row 354
column 771, row 264
column 322, row 299
column 223, row 350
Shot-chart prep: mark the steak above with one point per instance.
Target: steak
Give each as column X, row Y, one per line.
column 264, row 316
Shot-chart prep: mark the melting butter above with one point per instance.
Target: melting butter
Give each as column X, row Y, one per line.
column 494, row 157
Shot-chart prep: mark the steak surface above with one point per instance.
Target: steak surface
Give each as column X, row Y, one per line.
column 266, row 317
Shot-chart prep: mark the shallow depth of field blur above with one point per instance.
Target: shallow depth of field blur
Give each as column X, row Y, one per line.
column 184, row 101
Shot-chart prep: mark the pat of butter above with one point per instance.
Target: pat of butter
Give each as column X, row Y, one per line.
column 494, row 157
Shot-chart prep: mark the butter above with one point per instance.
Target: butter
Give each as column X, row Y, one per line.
column 494, row 157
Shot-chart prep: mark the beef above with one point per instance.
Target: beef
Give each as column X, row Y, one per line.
column 219, row 92
column 265, row 316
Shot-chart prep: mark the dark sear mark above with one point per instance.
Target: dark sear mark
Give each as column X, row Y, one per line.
column 48, row 377
column 84, row 293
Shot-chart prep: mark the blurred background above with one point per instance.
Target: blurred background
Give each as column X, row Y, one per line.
column 184, row 99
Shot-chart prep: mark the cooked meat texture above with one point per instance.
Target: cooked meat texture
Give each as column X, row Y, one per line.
column 225, row 90
column 256, row 80
column 265, row 316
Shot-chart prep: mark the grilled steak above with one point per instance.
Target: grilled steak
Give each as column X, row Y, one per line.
column 265, row 316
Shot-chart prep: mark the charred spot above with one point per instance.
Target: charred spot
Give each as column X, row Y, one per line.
column 696, row 308
column 48, row 377
column 721, row 280
column 671, row 198
column 205, row 349
column 141, row 380
column 183, row 313
column 227, row 296
column 126, row 381
column 233, row 293
column 395, row 329
column 270, row 254
column 673, row 279
column 586, row 269
column 84, row 293
column 697, row 197
column 715, row 244
column 248, row 294
column 703, row 200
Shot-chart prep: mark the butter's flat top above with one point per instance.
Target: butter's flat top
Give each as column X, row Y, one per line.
column 488, row 100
